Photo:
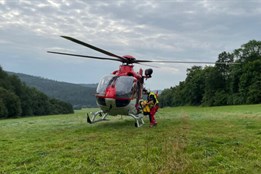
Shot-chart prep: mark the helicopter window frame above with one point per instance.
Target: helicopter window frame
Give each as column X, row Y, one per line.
column 134, row 89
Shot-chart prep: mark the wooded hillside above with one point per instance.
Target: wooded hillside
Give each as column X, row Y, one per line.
column 79, row 95
column 17, row 99
column 221, row 84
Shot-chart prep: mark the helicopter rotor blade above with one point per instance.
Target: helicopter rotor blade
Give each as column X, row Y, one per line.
column 90, row 57
column 94, row 48
column 153, row 66
column 189, row 62
column 124, row 59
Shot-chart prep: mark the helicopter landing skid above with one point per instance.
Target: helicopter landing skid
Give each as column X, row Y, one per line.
column 138, row 119
column 91, row 118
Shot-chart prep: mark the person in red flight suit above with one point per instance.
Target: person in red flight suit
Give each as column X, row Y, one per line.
column 153, row 103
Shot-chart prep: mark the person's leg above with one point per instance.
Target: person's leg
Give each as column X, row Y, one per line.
column 148, row 113
column 156, row 109
column 152, row 115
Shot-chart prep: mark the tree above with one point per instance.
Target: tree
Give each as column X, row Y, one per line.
column 195, row 85
column 11, row 105
column 245, row 83
column 250, row 80
column 3, row 109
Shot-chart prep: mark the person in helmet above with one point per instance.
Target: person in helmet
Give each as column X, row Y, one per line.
column 145, row 108
column 153, row 104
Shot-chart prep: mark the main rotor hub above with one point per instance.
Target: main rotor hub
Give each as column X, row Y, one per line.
column 129, row 59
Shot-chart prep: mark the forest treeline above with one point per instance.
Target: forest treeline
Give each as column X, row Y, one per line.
column 221, row 84
column 18, row 100
column 79, row 95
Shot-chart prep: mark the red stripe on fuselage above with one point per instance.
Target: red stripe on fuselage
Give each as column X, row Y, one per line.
column 116, row 98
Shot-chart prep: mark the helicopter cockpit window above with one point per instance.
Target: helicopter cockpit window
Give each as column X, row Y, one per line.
column 104, row 83
column 125, row 86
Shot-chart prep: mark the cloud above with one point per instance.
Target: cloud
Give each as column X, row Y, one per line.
column 154, row 30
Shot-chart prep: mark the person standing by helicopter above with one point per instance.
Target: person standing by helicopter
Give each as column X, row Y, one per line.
column 153, row 104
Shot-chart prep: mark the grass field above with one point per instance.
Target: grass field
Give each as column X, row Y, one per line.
column 186, row 140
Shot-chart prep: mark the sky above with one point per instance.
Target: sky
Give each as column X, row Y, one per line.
column 184, row 30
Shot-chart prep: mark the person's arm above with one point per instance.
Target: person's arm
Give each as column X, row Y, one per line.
column 152, row 100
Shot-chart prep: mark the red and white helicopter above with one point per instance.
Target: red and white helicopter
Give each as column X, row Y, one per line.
column 120, row 92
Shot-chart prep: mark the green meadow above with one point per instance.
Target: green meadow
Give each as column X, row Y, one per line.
column 186, row 140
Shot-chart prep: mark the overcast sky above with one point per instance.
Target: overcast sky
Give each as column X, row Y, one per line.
column 194, row 30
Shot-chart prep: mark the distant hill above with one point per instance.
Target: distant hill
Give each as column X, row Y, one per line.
column 19, row 100
column 79, row 95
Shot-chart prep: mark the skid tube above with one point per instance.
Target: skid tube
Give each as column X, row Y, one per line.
column 138, row 119
column 91, row 118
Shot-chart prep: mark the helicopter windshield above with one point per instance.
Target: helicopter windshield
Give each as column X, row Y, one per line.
column 104, row 83
column 125, row 86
